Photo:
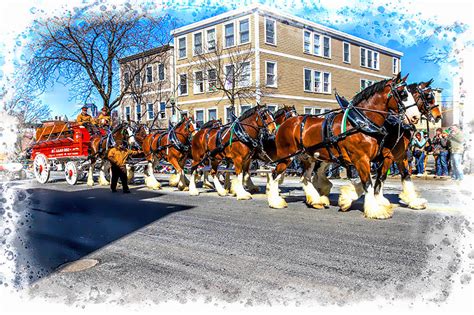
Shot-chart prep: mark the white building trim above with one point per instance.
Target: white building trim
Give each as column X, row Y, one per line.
column 301, row 98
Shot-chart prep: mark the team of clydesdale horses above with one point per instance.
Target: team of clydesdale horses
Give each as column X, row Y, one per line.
column 375, row 128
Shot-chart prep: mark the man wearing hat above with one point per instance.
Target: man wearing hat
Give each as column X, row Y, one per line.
column 118, row 156
column 103, row 120
column 84, row 117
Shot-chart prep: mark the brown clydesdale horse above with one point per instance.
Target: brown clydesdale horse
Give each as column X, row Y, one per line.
column 236, row 141
column 174, row 146
column 99, row 146
column 304, row 134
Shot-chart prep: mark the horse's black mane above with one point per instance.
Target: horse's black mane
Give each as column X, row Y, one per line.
column 209, row 124
column 249, row 112
column 411, row 87
column 369, row 92
column 282, row 110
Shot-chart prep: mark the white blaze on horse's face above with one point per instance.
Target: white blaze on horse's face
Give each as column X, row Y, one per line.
column 131, row 136
column 412, row 112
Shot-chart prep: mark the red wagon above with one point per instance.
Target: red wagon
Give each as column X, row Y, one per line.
column 60, row 146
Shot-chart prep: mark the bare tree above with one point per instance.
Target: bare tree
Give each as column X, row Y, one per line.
column 82, row 49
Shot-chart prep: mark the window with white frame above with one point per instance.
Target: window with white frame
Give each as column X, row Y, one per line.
column 270, row 31
column 138, row 112
column 245, row 71
column 183, row 84
column 308, row 81
column 395, row 65
column 127, row 113
column 310, row 110
column 161, row 72
column 316, row 44
column 228, row 114
column 199, row 117
column 326, row 47
column 229, row 75
column 211, row 80
column 197, row 43
column 137, row 79
column 229, row 36
column 369, row 58
column 126, row 78
column 326, row 82
column 307, row 42
column 317, row 82
column 346, row 52
column 272, row 108
column 149, row 74
column 244, row 108
column 162, row 110
column 364, row 83
column 198, row 82
column 271, row 73
column 211, row 39
column 182, row 47
column 150, row 112
column 244, row 34
column 212, row 114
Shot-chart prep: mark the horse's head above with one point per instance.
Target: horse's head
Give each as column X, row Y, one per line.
column 186, row 126
column 401, row 100
column 425, row 100
column 284, row 113
column 265, row 118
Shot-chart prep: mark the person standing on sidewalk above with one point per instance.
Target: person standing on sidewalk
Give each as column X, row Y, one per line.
column 118, row 157
column 456, row 139
column 440, row 153
column 418, row 144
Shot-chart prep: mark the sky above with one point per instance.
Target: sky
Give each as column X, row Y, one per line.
column 416, row 28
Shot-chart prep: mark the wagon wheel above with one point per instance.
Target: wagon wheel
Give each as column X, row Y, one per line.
column 71, row 172
column 41, row 168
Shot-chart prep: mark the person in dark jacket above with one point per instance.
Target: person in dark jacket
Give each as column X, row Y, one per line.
column 440, row 152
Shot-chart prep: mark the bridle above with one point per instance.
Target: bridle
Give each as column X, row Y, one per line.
column 427, row 107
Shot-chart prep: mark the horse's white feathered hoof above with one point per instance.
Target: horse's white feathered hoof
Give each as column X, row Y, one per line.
column 103, row 181
column 376, row 211
column 244, row 196
column 381, row 200
column 174, row 180
column 324, row 200
column 347, row 196
column 223, row 192
column 90, row 182
column 152, row 183
column 314, row 202
column 418, row 204
column 194, row 192
column 277, row 203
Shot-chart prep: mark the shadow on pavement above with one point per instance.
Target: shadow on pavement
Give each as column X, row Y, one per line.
column 63, row 226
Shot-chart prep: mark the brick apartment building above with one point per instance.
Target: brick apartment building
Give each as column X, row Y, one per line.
column 292, row 61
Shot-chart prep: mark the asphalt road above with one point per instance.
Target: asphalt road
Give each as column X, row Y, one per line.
column 167, row 246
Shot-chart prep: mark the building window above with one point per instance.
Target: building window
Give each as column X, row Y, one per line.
column 244, row 74
column 138, row 112
column 183, row 84
column 244, row 31
column 327, row 47
column 212, row 80
column 369, row 58
column 212, row 114
column 149, row 74
column 162, row 114
column 365, row 83
column 270, row 31
column 395, row 67
column 376, row 60
column 228, row 114
column 307, row 80
column 308, row 110
column 161, row 72
column 197, row 43
column 126, row 78
column 149, row 110
column 137, row 79
column 211, row 39
column 198, row 82
column 346, row 47
column 229, row 76
column 229, row 35
column 127, row 113
column 244, row 108
column 199, row 117
column 271, row 73
column 307, row 42
column 182, row 47
column 363, row 53
column 314, row 110
column 326, row 82
column 316, row 44
column 317, row 81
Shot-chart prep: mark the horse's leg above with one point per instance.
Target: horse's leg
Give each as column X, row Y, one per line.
column 313, row 198
column 206, row 182
column 372, row 209
column 193, row 191
column 180, row 171
column 130, row 173
column 102, row 180
column 409, row 195
column 174, row 179
column 221, row 191
column 90, row 174
column 228, row 185
column 273, row 193
column 252, row 188
column 379, row 182
column 322, row 183
column 150, row 179
column 240, row 166
column 349, row 193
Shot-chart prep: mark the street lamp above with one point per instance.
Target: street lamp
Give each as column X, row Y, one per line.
column 174, row 118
